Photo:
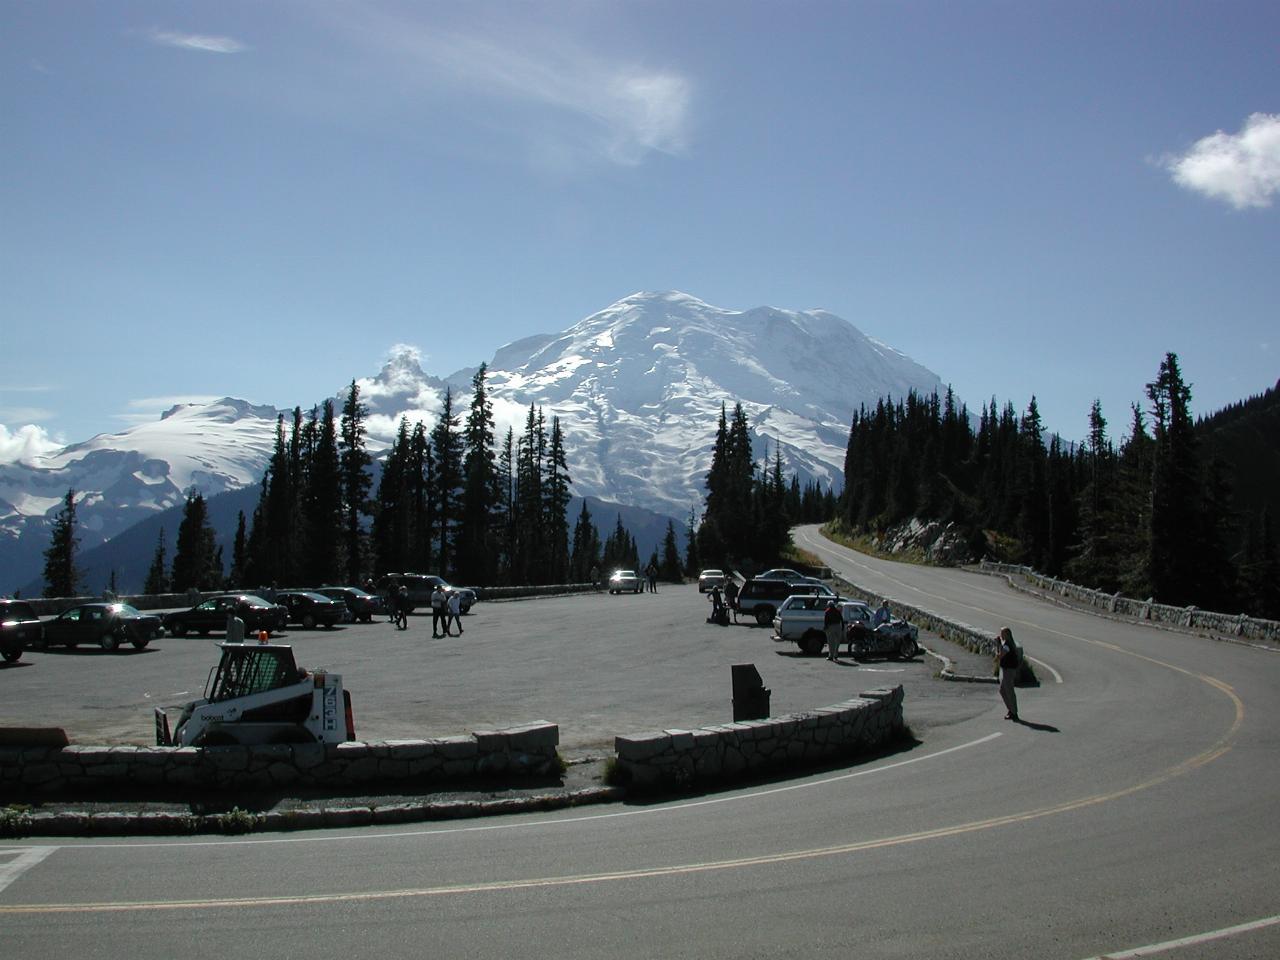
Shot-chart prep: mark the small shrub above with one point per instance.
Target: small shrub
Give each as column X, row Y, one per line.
column 235, row 820
column 615, row 775
column 15, row 820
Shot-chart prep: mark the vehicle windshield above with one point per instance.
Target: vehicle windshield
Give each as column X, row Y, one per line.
column 125, row 609
column 247, row 670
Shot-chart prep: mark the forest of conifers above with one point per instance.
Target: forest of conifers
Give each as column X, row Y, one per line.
column 1180, row 511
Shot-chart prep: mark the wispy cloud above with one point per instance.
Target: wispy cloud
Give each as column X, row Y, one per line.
column 618, row 110
column 26, row 444
column 1241, row 168
column 202, row 42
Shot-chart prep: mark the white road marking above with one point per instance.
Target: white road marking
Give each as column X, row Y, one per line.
column 1057, row 677
column 548, row 822
column 15, row 861
column 1154, row 948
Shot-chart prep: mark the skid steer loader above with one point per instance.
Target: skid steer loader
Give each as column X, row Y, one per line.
column 257, row 694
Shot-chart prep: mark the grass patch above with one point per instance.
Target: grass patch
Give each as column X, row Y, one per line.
column 614, row 774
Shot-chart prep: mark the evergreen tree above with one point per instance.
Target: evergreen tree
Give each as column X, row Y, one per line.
column 197, row 560
column 586, row 548
column 354, row 463
column 239, row 548
column 157, row 581
column 692, row 559
column 506, row 510
column 555, row 507
column 477, row 559
column 1175, row 493
column 669, row 568
column 446, row 448
column 324, row 560
column 1094, row 561
column 61, row 578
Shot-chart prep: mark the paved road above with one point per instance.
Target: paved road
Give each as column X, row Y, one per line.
column 1136, row 807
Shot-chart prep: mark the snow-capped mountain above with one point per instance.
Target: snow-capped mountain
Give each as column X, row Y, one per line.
column 638, row 388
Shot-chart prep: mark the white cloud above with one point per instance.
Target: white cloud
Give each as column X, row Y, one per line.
column 1243, row 168
column 599, row 105
column 26, row 444
column 196, row 41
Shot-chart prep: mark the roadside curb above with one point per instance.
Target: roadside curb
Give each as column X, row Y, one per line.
column 164, row 823
column 948, row 670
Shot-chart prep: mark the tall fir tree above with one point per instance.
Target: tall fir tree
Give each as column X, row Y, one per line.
column 555, row 506
column 157, row 581
column 197, row 559
column 61, row 576
column 477, row 554
column 1175, row 488
column 354, row 462
column 446, row 448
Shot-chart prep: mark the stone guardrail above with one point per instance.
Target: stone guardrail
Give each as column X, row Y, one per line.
column 685, row 757
column 82, row 772
column 1238, row 625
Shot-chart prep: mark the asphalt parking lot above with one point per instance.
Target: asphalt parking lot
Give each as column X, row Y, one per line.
column 595, row 664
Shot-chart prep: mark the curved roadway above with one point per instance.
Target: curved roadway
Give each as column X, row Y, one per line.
column 1135, row 810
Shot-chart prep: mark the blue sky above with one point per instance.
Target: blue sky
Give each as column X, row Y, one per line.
column 260, row 199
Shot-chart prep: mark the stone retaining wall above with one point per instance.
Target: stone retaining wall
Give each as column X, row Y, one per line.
column 83, row 771
column 686, row 757
column 1237, row 625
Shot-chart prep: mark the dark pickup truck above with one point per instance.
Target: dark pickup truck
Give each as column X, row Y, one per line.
column 19, row 628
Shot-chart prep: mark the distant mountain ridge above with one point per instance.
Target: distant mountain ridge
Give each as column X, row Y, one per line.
column 638, row 388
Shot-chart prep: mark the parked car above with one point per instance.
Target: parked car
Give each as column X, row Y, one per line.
column 761, row 598
column 107, row 625
column 422, row 585
column 710, row 579
column 311, row 609
column 802, row 619
column 625, row 581
column 361, row 604
column 19, row 628
column 783, row 573
column 257, row 614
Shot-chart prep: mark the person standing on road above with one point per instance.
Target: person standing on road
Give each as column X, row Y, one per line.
column 402, row 608
column 833, row 624
column 439, row 613
column 731, row 596
column 595, row 577
column 1009, row 657
column 652, row 573
column 454, row 613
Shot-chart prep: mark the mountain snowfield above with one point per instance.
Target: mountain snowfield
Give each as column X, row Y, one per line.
column 638, row 388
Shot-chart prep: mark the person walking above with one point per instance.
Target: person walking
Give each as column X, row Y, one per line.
column 595, row 577
column 652, row 573
column 833, row 624
column 454, row 613
column 439, row 613
column 1009, row 657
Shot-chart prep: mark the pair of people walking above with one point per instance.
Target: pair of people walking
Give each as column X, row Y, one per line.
column 446, row 610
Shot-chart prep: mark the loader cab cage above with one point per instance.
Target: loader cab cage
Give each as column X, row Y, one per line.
column 246, row 670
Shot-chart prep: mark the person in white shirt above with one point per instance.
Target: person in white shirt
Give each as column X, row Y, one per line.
column 439, row 613
column 455, row 613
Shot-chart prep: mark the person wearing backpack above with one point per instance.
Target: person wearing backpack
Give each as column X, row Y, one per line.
column 1009, row 658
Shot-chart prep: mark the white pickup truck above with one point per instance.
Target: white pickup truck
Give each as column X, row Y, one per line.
column 799, row 620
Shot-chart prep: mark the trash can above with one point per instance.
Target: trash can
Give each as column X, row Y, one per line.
column 750, row 695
